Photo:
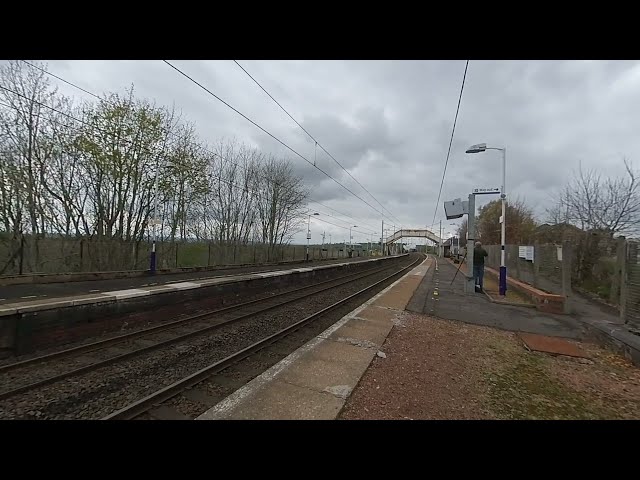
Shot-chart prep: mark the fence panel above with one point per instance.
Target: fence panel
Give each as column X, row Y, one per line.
column 630, row 297
column 28, row 254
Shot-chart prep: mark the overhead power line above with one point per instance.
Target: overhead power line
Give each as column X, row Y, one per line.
column 217, row 177
column 450, row 142
column 168, row 133
column 346, row 228
column 314, row 139
column 268, row 133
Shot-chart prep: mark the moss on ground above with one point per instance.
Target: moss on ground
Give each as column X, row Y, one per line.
column 522, row 388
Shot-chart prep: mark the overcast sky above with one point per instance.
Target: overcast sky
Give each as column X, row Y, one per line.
column 389, row 123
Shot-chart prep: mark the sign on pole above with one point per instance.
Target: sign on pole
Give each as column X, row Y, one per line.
column 484, row 191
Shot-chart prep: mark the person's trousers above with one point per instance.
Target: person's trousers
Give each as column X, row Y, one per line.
column 478, row 275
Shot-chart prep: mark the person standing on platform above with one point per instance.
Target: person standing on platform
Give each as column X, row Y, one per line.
column 479, row 254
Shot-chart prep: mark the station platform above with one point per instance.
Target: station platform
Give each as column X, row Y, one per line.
column 314, row 382
column 48, row 287
column 77, row 294
column 319, row 380
column 33, row 324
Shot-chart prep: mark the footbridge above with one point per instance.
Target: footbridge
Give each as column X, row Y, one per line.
column 421, row 233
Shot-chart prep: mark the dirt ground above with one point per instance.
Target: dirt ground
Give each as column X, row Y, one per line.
column 439, row 369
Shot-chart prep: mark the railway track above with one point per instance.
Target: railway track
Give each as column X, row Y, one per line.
column 122, row 347
column 91, row 381
column 304, row 328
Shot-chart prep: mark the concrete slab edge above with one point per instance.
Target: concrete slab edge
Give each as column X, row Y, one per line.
column 616, row 338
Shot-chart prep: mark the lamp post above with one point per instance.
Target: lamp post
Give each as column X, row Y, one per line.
column 351, row 239
column 152, row 259
column 455, row 235
column 309, row 233
column 503, row 195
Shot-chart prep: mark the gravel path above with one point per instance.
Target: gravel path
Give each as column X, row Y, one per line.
column 98, row 393
column 439, row 369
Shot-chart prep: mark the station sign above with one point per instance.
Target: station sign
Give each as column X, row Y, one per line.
column 484, row 191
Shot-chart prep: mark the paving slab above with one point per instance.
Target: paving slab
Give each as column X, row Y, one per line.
column 558, row 346
column 359, row 330
column 284, row 401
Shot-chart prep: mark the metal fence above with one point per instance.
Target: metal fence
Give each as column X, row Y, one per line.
column 630, row 291
column 591, row 262
column 543, row 271
column 28, row 254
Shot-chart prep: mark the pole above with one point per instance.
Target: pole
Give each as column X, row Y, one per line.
column 322, row 248
column 152, row 260
column 503, row 265
column 440, row 244
column 382, row 239
column 308, row 236
column 567, row 256
column 471, row 237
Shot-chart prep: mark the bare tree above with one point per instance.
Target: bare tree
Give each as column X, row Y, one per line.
column 605, row 203
column 92, row 173
column 556, row 214
column 462, row 229
column 281, row 203
column 27, row 146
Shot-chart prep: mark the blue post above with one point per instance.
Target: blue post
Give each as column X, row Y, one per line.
column 503, row 280
column 152, row 266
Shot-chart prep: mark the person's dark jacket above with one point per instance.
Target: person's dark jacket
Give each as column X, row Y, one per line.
column 478, row 255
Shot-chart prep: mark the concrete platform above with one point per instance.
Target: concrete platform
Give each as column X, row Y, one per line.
column 41, row 323
column 21, row 288
column 314, row 382
column 442, row 296
column 31, row 305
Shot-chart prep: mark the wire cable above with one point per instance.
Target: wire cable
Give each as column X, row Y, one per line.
column 171, row 133
column 318, row 144
column 217, row 177
column 450, row 142
column 268, row 133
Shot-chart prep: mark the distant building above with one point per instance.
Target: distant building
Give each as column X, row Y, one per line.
column 547, row 233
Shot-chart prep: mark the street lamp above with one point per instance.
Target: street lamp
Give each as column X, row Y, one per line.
column 351, row 239
column 481, row 147
column 455, row 235
column 385, row 237
column 309, row 233
column 152, row 258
